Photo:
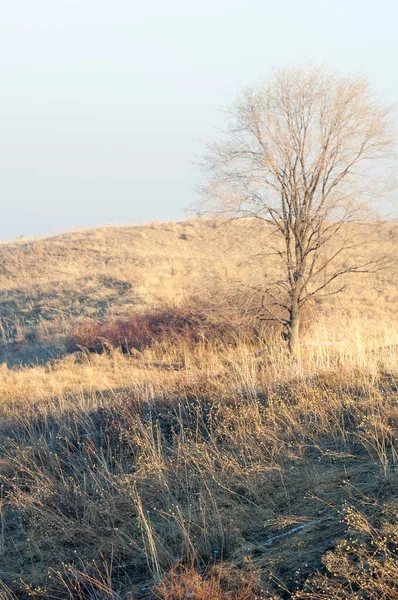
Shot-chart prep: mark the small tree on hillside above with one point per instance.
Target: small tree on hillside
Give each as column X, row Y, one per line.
column 300, row 155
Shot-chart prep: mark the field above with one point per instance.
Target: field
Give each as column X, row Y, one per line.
column 204, row 463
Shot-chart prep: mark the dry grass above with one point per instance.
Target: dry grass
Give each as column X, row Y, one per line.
column 49, row 285
column 193, row 469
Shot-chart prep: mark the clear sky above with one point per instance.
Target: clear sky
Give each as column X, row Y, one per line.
column 104, row 103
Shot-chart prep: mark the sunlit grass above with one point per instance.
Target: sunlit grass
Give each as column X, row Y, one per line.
column 208, row 469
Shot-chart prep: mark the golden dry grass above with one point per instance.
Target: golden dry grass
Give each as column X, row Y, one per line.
column 186, row 470
column 48, row 285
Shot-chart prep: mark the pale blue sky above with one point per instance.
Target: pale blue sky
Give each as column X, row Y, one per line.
column 103, row 103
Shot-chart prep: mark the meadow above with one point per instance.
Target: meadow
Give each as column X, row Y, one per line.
column 157, row 441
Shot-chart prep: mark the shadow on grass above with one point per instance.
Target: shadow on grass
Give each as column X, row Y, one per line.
column 36, row 320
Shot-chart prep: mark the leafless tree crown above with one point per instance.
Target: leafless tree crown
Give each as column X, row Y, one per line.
column 301, row 152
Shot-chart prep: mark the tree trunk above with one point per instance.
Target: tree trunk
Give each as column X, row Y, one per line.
column 293, row 327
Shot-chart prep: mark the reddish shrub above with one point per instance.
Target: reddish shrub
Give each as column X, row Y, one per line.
column 138, row 332
column 220, row 317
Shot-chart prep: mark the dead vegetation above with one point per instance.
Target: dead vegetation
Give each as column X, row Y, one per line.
column 224, row 315
column 53, row 288
column 202, row 467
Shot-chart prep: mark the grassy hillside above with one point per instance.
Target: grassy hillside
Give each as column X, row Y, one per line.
column 204, row 470
column 48, row 285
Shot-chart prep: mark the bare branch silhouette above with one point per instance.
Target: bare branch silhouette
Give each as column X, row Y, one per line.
column 301, row 155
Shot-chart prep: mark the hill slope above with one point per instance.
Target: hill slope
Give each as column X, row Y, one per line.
column 47, row 285
column 209, row 471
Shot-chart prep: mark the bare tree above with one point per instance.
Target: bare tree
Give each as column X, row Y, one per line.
column 301, row 154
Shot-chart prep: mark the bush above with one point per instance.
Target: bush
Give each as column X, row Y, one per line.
column 225, row 316
column 140, row 331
